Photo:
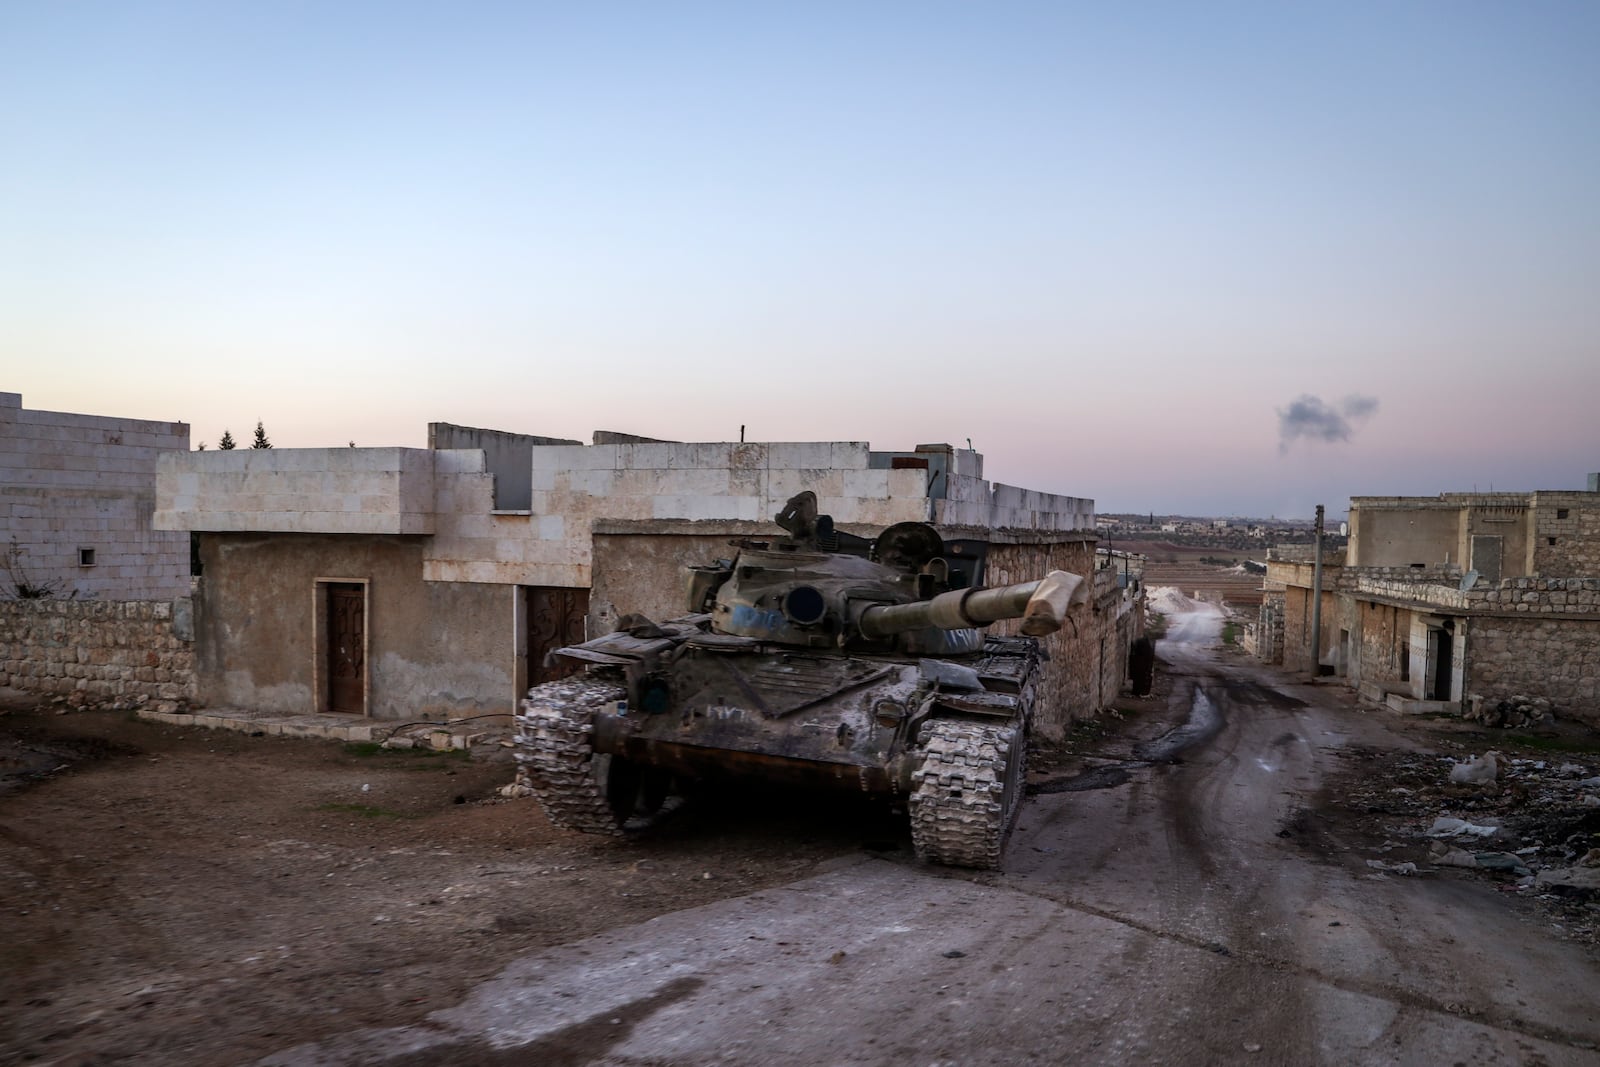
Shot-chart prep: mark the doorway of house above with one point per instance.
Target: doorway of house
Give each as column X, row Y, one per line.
column 1440, row 655
column 346, row 630
column 557, row 616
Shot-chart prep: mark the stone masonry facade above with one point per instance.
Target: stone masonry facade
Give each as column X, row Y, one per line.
column 123, row 653
column 1509, row 584
column 1567, row 672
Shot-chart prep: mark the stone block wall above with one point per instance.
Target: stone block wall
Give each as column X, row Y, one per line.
column 1566, row 534
column 99, row 651
column 1538, row 596
column 77, row 497
column 1087, row 651
column 1269, row 628
column 1558, row 659
column 1297, row 627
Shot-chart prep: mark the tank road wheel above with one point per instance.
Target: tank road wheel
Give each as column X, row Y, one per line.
column 966, row 791
column 637, row 794
column 553, row 740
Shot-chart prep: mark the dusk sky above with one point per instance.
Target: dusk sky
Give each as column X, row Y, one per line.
column 1209, row 258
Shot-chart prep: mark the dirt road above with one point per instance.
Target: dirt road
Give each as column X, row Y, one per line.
column 1190, row 888
column 1167, row 905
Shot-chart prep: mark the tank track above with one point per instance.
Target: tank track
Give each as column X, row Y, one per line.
column 554, row 750
column 966, row 791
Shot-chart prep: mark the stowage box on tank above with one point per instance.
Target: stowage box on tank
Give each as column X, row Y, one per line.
column 817, row 658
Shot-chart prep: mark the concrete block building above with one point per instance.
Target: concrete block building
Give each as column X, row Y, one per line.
column 1451, row 602
column 77, row 498
column 402, row 583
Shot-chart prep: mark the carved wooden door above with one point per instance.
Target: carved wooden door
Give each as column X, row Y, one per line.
column 556, row 617
column 347, row 675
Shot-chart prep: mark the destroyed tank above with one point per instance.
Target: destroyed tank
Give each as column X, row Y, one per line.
column 817, row 659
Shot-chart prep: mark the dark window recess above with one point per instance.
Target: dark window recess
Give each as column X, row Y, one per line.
column 908, row 463
column 1549, row 540
column 86, row 557
column 1561, row 513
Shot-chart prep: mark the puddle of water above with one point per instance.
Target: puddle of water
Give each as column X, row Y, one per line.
column 1094, row 778
column 1205, row 722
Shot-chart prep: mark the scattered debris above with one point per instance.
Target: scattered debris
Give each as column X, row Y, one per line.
column 1481, row 771
column 1393, row 868
column 1517, row 711
column 1545, row 831
column 1445, row 826
column 1571, row 878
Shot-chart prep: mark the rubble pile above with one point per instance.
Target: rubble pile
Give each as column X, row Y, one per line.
column 1533, row 824
column 1514, row 712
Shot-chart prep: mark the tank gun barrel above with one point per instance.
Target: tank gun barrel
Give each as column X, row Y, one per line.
column 1041, row 604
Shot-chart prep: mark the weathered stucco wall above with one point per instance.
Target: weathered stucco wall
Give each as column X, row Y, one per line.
column 99, row 651
column 435, row 649
column 1399, row 536
column 642, row 572
column 1385, row 644
column 1558, row 659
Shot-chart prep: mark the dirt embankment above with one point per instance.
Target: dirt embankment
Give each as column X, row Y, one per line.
column 1219, row 574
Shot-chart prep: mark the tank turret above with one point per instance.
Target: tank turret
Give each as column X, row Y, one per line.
column 888, row 591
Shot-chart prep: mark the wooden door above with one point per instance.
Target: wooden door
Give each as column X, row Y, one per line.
column 347, row 674
column 556, row 617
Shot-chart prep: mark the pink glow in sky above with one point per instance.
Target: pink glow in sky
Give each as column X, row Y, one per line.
column 1108, row 245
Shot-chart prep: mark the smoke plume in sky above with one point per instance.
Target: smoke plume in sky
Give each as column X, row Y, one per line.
column 1311, row 418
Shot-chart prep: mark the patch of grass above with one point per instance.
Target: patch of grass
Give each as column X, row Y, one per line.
column 1230, row 633
column 1155, row 625
column 366, row 811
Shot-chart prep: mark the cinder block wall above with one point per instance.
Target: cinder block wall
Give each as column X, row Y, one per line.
column 98, row 651
column 87, row 482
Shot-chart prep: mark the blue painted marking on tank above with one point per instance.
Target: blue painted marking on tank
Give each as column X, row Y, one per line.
column 746, row 619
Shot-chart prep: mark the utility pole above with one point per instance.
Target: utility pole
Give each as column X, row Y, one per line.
column 1316, row 602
